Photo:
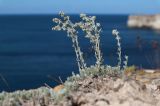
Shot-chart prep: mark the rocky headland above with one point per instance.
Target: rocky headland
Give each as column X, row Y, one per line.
column 138, row 89
column 144, row 21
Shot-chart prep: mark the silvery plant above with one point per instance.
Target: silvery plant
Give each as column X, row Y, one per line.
column 66, row 24
column 119, row 51
column 92, row 31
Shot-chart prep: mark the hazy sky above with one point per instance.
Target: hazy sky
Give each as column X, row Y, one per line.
column 79, row 6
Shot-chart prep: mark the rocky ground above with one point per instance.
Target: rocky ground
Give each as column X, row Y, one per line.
column 109, row 91
column 136, row 90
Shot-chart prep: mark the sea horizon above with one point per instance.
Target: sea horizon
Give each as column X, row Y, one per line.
column 30, row 51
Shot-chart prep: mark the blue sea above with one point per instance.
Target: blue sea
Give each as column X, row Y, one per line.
column 31, row 54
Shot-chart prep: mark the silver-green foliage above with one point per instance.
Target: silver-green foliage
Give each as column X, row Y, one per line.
column 116, row 33
column 18, row 97
column 92, row 31
column 119, row 50
column 67, row 25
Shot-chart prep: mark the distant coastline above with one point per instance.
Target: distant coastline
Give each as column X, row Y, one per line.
column 144, row 21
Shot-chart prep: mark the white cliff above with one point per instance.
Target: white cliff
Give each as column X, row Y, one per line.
column 144, row 21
